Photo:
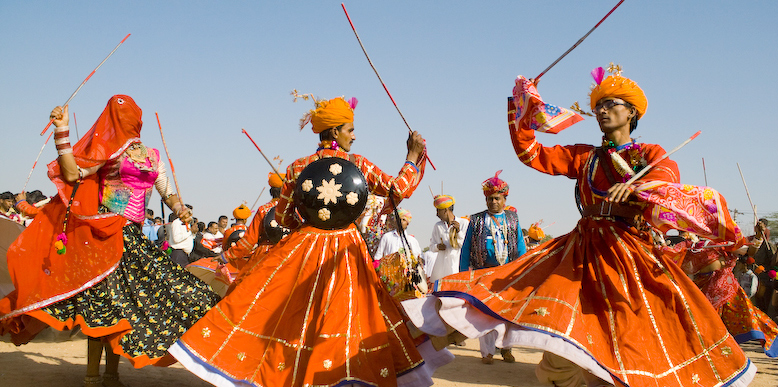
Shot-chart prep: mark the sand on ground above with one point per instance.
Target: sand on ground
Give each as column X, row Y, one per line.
column 63, row 363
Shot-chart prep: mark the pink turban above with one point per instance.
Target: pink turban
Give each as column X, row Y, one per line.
column 495, row 185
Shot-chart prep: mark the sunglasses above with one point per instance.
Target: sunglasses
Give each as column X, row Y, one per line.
column 608, row 105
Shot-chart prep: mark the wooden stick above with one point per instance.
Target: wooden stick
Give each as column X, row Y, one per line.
column 704, row 172
column 381, row 80
column 172, row 168
column 431, row 193
column 715, row 246
column 753, row 207
column 666, row 155
column 257, row 201
column 36, row 161
column 263, row 155
column 536, row 79
column 75, row 122
column 85, row 80
column 65, row 104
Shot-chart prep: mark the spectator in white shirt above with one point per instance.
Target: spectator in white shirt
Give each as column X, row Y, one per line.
column 391, row 242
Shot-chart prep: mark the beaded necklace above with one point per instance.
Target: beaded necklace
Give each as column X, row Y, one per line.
column 327, row 144
column 496, row 228
column 625, row 169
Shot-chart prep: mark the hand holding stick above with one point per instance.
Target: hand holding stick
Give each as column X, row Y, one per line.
column 381, row 80
column 619, row 192
column 85, row 80
column 172, row 170
column 536, row 79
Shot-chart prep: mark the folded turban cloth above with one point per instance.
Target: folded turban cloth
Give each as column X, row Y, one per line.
column 274, row 180
column 241, row 212
column 616, row 86
column 329, row 114
column 404, row 214
column 536, row 232
column 443, row 201
column 495, row 185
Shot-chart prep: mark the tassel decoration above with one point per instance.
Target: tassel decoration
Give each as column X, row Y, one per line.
column 62, row 240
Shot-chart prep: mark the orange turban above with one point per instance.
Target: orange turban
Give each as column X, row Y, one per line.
column 329, row 114
column 241, row 212
column 536, row 233
column 274, row 180
column 616, row 86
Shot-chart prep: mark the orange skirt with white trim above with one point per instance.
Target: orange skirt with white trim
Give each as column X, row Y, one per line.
column 311, row 312
column 601, row 297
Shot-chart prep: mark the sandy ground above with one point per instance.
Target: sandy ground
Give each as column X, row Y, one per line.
column 63, row 363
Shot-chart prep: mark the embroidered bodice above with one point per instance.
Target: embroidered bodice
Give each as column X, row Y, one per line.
column 126, row 185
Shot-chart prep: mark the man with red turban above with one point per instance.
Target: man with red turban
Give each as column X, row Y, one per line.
column 493, row 238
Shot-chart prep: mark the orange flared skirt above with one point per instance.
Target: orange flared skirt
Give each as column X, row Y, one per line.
column 311, row 312
column 601, row 297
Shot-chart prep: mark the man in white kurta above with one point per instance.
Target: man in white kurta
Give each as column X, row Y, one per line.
column 391, row 242
column 446, row 241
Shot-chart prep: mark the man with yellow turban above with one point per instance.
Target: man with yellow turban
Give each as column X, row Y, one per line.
column 446, row 241
column 317, row 289
column 604, row 304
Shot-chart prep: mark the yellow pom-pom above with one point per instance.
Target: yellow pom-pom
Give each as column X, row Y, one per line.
column 59, row 245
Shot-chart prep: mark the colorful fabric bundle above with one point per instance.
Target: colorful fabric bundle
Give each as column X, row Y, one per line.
column 543, row 117
column 443, row 201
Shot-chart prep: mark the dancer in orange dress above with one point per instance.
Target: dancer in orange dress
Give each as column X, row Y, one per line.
column 711, row 269
column 314, row 312
column 605, row 307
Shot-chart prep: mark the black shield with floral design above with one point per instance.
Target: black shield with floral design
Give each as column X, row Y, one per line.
column 331, row 193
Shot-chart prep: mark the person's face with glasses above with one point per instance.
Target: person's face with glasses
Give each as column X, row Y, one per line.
column 613, row 114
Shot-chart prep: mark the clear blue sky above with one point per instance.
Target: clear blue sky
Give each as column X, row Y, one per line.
column 212, row 68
